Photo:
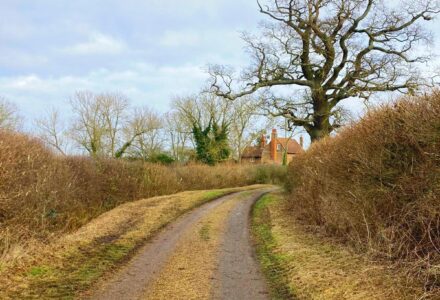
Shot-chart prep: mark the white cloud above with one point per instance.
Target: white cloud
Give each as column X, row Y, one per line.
column 144, row 84
column 179, row 38
column 98, row 43
column 16, row 58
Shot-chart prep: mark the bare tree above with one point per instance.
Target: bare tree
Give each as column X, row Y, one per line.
column 143, row 133
column 89, row 127
column 103, row 125
column 180, row 135
column 246, row 124
column 332, row 50
column 202, row 108
column 113, row 107
column 53, row 131
column 9, row 118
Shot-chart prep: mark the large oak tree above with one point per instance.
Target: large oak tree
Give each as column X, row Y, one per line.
column 332, row 50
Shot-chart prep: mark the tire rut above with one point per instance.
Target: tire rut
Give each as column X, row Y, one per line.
column 239, row 275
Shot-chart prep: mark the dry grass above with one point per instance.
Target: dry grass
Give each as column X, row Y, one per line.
column 44, row 196
column 376, row 185
column 303, row 265
column 69, row 265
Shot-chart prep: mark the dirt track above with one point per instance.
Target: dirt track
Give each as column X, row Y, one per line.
column 205, row 254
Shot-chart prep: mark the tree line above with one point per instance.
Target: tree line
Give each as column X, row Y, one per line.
column 201, row 127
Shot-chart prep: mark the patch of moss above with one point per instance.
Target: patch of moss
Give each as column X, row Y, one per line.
column 210, row 195
column 37, row 271
column 204, row 232
column 271, row 262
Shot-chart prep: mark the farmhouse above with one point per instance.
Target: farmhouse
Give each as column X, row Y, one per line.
column 272, row 152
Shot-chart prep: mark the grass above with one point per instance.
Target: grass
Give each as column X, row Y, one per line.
column 273, row 263
column 302, row 264
column 69, row 266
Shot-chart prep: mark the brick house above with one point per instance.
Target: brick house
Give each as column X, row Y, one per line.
column 272, row 152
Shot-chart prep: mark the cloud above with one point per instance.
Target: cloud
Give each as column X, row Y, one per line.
column 144, row 84
column 179, row 38
column 98, row 43
column 16, row 58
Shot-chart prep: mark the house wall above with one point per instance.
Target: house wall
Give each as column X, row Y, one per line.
column 266, row 158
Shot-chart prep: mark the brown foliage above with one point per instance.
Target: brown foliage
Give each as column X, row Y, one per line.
column 377, row 184
column 43, row 195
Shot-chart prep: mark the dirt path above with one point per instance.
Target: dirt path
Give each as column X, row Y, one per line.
column 240, row 276
column 205, row 254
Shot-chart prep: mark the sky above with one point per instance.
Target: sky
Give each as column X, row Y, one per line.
column 150, row 50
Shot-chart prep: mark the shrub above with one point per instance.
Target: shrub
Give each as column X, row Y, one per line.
column 161, row 158
column 377, row 184
column 274, row 174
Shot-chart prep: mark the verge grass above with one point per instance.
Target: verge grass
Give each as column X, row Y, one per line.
column 301, row 264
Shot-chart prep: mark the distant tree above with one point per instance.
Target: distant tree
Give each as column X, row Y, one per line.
column 143, row 133
column 246, row 124
column 103, row 124
column 89, row 127
column 208, row 117
column 114, row 109
column 331, row 50
column 211, row 142
column 9, row 118
column 179, row 134
column 53, row 131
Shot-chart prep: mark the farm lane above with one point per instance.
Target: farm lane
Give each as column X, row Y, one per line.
column 205, row 254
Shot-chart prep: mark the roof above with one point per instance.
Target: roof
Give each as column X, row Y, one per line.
column 252, row 152
column 292, row 145
column 256, row 152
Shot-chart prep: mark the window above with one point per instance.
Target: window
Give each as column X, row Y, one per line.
column 278, row 147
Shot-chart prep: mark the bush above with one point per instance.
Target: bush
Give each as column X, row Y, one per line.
column 377, row 184
column 274, row 174
column 161, row 158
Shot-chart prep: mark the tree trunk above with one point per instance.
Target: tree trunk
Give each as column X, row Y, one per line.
column 321, row 118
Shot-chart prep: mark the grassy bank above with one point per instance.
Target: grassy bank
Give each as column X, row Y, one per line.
column 376, row 186
column 68, row 266
column 44, row 196
column 304, row 264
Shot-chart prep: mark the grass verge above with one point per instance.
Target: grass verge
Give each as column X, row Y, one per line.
column 302, row 264
column 272, row 262
column 68, row 267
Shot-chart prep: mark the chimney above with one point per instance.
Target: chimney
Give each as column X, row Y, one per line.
column 263, row 141
column 273, row 145
column 301, row 141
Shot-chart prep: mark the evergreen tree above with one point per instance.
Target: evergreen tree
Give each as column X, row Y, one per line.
column 211, row 142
